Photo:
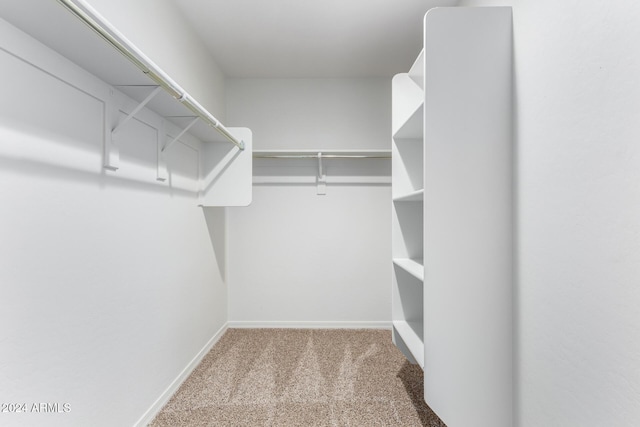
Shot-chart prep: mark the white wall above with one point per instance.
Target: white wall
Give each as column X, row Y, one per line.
column 577, row 72
column 110, row 282
column 301, row 114
column 297, row 258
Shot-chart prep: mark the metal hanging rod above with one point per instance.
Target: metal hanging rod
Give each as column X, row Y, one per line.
column 108, row 32
column 321, row 155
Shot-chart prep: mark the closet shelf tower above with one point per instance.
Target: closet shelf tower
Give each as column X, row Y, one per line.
column 452, row 215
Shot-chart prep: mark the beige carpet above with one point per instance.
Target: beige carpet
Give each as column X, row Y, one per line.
column 301, row 377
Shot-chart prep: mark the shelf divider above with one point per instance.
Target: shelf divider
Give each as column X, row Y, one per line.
column 414, row 196
column 415, row 267
column 412, row 334
column 416, row 73
column 412, row 127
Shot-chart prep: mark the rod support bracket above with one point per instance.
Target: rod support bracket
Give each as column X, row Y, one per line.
column 321, row 179
column 161, row 169
column 136, row 110
column 111, row 152
column 182, row 132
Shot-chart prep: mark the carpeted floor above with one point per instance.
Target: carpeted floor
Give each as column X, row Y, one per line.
column 301, row 377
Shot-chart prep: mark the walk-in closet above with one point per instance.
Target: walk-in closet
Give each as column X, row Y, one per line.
column 304, row 213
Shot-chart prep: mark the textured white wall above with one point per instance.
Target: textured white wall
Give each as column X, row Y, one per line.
column 312, row 113
column 294, row 256
column 110, row 282
column 297, row 257
column 577, row 71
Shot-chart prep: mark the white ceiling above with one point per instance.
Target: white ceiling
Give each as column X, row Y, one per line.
column 262, row 38
column 310, row 38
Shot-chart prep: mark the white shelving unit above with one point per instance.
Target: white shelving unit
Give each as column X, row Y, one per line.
column 408, row 196
column 452, row 215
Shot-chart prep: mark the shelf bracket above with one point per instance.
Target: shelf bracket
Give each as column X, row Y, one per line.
column 111, row 153
column 193, row 122
column 321, row 179
column 161, row 172
column 111, row 150
column 136, row 110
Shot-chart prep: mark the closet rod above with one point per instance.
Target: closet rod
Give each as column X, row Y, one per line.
column 315, row 156
column 108, row 32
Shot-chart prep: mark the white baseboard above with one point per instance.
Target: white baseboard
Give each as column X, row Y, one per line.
column 310, row 325
column 175, row 385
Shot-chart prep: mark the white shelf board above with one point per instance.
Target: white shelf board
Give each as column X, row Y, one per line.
column 415, row 267
column 58, row 29
column 413, row 126
column 383, row 154
column 412, row 335
column 406, row 98
column 409, row 142
column 416, row 73
column 226, row 172
column 415, row 196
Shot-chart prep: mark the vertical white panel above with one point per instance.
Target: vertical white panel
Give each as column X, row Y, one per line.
column 407, row 98
column 468, row 216
column 227, row 171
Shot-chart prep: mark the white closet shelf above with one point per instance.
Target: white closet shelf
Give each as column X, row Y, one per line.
column 412, row 127
column 321, row 157
column 416, row 73
column 166, row 106
column 326, row 154
column 83, row 61
column 412, row 334
column 188, row 107
column 414, row 196
column 415, row 267
column 403, row 143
